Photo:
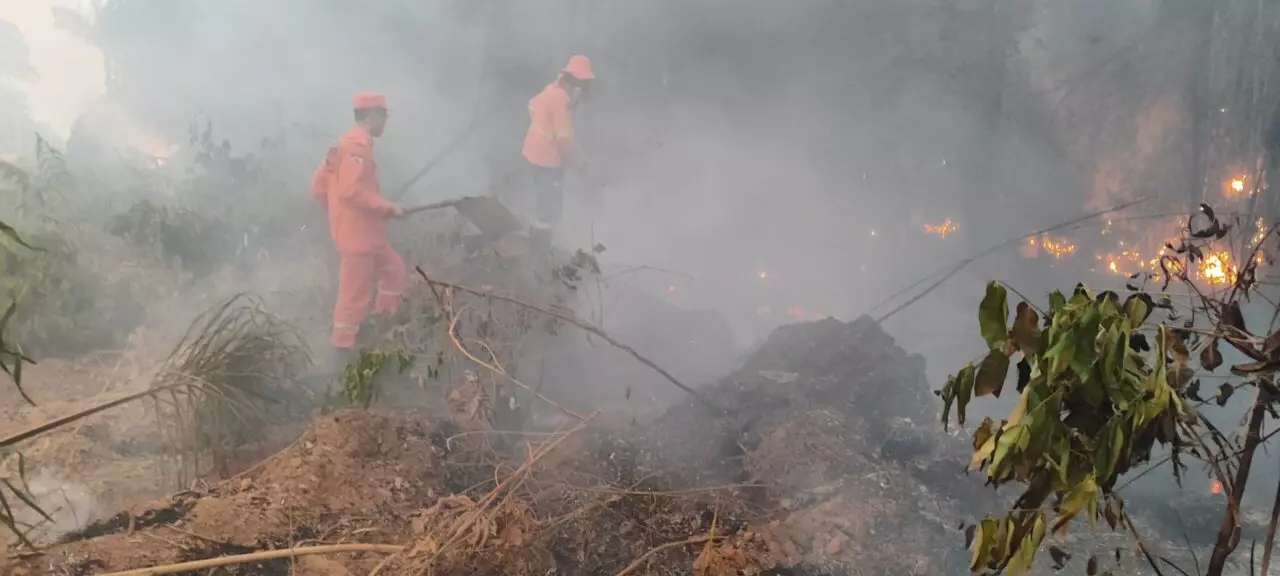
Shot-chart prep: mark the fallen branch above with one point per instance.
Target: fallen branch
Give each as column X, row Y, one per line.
column 87, row 412
column 580, row 324
column 259, row 557
column 496, row 369
column 638, row 561
column 463, row 527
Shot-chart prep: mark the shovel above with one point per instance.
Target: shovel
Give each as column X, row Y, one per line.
column 486, row 213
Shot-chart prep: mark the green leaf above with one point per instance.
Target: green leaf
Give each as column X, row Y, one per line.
column 1137, row 309
column 984, row 539
column 1026, row 330
column 1086, row 337
column 993, row 315
column 964, row 391
column 1115, row 346
column 1057, row 302
column 948, row 395
column 991, row 374
column 1109, row 449
column 1081, row 497
column 1014, row 437
column 1021, row 562
column 1061, row 353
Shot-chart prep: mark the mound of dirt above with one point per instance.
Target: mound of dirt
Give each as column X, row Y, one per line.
column 824, row 459
column 349, row 471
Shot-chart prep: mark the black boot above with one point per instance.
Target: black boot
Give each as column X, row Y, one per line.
column 540, row 243
column 338, row 360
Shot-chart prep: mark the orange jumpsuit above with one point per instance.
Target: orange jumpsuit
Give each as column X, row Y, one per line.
column 547, row 146
column 347, row 185
column 550, row 135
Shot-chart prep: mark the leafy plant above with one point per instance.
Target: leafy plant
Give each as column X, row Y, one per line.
column 360, row 377
column 196, row 243
column 571, row 273
column 11, row 361
column 1100, row 385
column 234, row 362
column 63, row 307
column 1091, row 405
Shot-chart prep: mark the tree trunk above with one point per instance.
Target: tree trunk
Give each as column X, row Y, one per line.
column 1229, row 531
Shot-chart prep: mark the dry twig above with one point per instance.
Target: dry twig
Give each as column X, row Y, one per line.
column 580, row 324
column 258, row 557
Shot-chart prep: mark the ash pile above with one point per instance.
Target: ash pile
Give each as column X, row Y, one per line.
column 832, row 431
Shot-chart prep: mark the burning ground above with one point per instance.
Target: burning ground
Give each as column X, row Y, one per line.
column 821, row 456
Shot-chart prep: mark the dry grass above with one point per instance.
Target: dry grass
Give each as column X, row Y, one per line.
column 234, row 364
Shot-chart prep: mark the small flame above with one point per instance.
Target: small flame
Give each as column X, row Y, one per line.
column 764, row 274
column 797, row 312
column 1215, row 487
column 1216, row 268
column 942, row 229
column 1057, row 247
column 1236, row 187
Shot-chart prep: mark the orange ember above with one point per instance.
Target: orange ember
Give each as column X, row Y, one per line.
column 942, row 229
column 1215, row 487
column 1056, row 247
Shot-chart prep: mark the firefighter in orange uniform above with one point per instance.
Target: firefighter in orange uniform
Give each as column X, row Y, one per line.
column 347, row 185
column 549, row 146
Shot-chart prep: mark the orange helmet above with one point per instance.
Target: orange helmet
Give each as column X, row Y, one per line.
column 363, row 100
column 580, row 67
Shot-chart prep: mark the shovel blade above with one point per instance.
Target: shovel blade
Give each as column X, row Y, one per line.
column 488, row 215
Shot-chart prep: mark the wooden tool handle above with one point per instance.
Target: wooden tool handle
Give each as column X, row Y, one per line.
column 432, row 206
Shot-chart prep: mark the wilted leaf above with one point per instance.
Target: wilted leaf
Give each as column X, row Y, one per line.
column 1024, row 374
column 1026, row 331
column 1231, row 316
column 1224, row 394
column 993, row 315
column 983, row 433
column 1060, row 557
column 1193, row 391
column 991, row 374
column 1180, row 353
column 1210, row 356
column 1271, row 348
column 1250, row 368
